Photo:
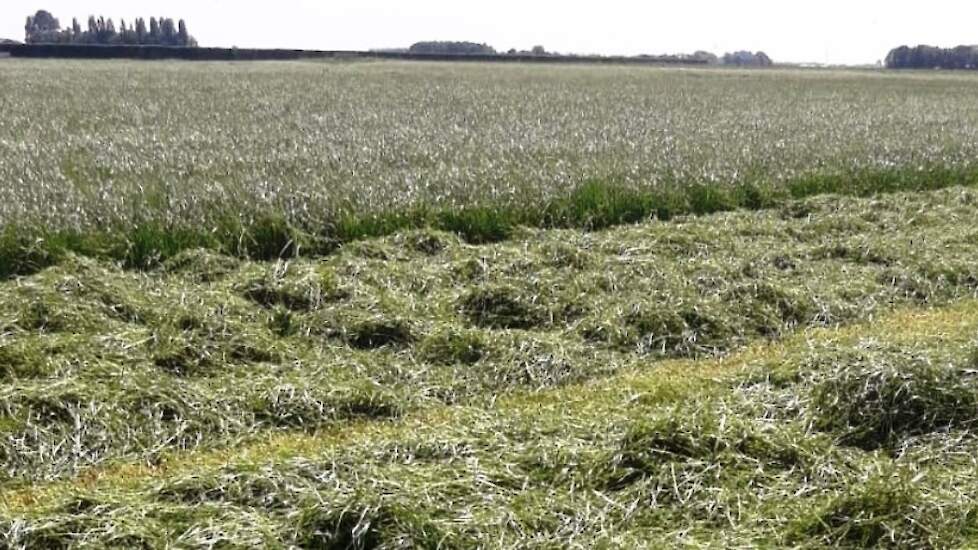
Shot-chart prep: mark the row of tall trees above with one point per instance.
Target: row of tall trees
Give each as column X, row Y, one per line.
column 44, row 28
column 930, row 57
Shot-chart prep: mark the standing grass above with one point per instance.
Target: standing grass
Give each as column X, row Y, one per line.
column 136, row 163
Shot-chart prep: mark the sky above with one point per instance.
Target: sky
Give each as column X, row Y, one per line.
column 826, row 31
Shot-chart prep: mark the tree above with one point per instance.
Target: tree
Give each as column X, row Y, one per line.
column 184, row 36
column 154, row 31
column 451, row 48
column 43, row 28
column 930, row 57
column 140, row 31
column 747, row 59
column 44, row 21
column 538, row 50
column 703, row 56
column 109, row 35
column 168, row 31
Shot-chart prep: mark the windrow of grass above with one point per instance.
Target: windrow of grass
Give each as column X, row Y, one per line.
column 750, row 450
column 100, row 364
column 596, row 204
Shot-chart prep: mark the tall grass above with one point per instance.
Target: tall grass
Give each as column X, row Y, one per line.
column 594, row 205
column 136, row 162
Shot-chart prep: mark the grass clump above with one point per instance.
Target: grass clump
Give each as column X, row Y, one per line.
column 708, row 439
column 40, row 315
column 194, row 352
column 561, row 255
column 279, row 489
column 677, row 332
column 500, row 307
column 201, row 265
column 876, row 401
column 883, row 512
column 770, row 309
column 25, row 358
column 535, row 362
column 293, row 286
column 306, row 406
column 99, row 527
column 374, row 331
column 371, row 250
column 427, row 242
column 367, row 525
column 454, row 347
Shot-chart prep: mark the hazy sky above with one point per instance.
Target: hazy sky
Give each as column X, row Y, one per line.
column 826, row 31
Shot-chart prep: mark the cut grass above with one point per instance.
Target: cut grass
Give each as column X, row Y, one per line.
column 450, row 475
column 873, row 403
column 106, row 364
column 216, row 399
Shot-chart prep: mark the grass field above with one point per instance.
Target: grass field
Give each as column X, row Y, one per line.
column 137, row 162
column 558, row 389
column 380, row 305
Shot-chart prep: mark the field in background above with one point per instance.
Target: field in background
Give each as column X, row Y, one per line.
column 137, row 161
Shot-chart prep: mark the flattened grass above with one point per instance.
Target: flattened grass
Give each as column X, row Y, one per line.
column 231, row 348
column 561, row 388
column 712, row 451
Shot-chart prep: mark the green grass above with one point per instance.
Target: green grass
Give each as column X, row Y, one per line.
column 593, row 206
column 206, row 349
column 695, row 452
column 315, row 305
column 281, row 159
column 561, row 387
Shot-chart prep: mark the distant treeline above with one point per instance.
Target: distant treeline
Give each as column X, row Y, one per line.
column 451, row 48
column 930, row 57
column 747, row 59
column 81, row 51
column 44, row 28
column 422, row 51
column 740, row 59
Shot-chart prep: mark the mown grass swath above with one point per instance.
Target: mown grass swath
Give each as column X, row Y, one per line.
column 100, row 363
column 704, row 453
